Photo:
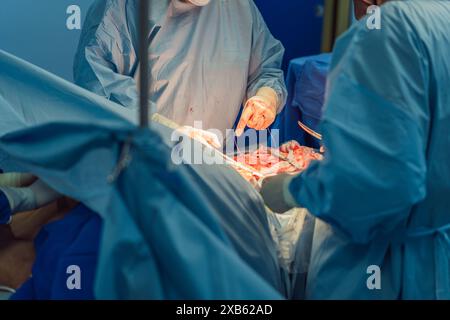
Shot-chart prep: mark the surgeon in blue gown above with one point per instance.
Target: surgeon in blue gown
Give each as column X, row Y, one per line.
column 382, row 192
column 207, row 59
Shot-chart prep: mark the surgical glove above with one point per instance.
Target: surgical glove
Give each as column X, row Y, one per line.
column 14, row 200
column 199, row 3
column 276, row 195
column 260, row 111
column 290, row 146
column 205, row 137
column 17, row 180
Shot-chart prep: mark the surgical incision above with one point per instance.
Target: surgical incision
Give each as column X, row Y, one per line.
column 265, row 161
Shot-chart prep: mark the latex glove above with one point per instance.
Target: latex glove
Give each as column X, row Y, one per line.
column 293, row 145
column 290, row 145
column 14, row 179
column 259, row 111
column 199, row 3
column 275, row 193
column 202, row 136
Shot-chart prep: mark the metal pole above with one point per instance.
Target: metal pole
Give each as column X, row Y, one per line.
column 144, row 81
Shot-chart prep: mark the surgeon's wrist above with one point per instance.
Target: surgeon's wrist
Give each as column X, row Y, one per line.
column 269, row 95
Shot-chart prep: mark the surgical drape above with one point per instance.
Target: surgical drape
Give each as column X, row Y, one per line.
column 169, row 232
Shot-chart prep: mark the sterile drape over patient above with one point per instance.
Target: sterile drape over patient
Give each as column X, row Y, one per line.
column 205, row 62
column 169, row 232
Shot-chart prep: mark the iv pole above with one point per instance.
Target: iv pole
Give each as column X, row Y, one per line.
column 144, row 86
column 144, row 79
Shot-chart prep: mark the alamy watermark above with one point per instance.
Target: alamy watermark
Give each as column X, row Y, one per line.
column 374, row 280
column 373, row 17
column 73, row 21
column 73, row 281
column 193, row 145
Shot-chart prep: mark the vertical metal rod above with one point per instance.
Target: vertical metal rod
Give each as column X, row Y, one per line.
column 144, row 79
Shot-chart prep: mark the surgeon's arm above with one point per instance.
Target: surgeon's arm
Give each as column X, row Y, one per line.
column 105, row 59
column 375, row 132
column 265, row 64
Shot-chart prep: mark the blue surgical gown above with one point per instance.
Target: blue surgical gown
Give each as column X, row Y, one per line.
column 204, row 61
column 382, row 192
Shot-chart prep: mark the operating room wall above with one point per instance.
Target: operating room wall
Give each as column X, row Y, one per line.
column 297, row 23
column 36, row 30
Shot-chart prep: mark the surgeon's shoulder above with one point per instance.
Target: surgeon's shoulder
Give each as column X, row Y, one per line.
column 107, row 21
column 392, row 25
column 406, row 15
column 104, row 11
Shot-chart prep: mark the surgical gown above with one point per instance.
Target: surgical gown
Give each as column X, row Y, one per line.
column 204, row 61
column 382, row 194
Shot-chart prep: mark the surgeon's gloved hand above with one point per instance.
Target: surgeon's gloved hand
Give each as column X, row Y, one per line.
column 276, row 195
column 290, row 146
column 260, row 111
column 205, row 137
column 14, row 200
column 198, row 3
